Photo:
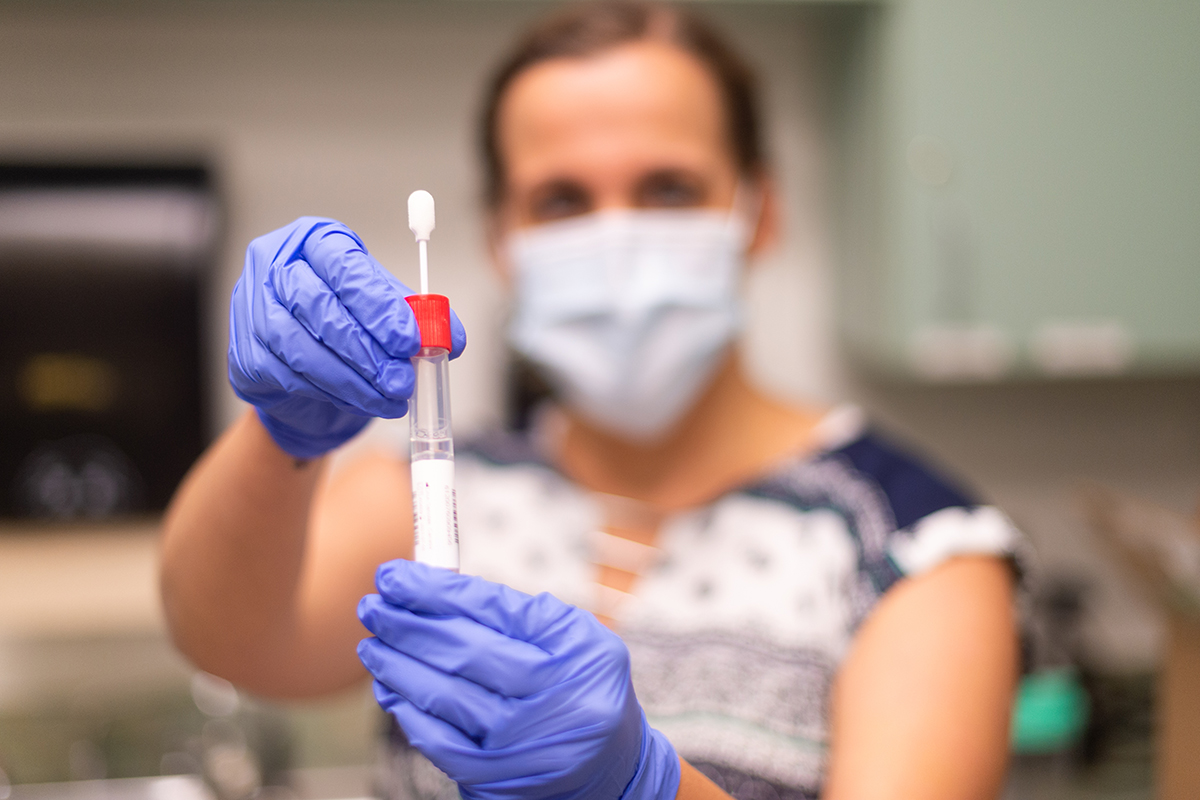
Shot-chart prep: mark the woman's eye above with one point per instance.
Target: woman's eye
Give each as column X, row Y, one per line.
column 671, row 190
column 559, row 200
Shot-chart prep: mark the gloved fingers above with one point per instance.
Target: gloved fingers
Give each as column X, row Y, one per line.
column 266, row 381
column 257, row 375
column 310, row 300
column 458, row 336
column 428, row 590
column 462, row 703
column 442, row 743
column 280, row 244
column 303, row 355
column 371, row 294
column 460, row 646
column 245, row 349
column 267, row 346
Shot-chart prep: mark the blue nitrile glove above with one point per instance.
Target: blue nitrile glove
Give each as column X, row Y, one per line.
column 320, row 336
column 514, row 697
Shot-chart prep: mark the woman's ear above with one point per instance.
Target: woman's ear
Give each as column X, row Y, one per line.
column 767, row 225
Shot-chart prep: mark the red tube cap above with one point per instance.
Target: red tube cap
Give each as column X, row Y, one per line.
column 433, row 319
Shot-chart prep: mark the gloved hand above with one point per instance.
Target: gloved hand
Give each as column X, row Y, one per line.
column 320, row 336
column 514, row 697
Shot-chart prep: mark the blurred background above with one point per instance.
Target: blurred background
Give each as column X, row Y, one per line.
column 992, row 228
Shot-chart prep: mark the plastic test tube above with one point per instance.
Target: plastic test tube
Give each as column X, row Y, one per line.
column 435, row 511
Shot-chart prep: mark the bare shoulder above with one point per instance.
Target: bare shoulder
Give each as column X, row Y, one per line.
column 966, row 584
column 922, row 702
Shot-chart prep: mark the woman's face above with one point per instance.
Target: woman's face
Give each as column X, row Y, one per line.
column 638, row 126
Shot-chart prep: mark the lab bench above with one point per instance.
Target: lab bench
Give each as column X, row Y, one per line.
column 91, row 685
column 79, row 580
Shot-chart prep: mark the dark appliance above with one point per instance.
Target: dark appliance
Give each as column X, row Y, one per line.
column 103, row 272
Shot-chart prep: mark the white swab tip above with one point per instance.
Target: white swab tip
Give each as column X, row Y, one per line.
column 420, row 214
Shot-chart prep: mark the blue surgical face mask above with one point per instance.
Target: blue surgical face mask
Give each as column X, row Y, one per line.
column 628, row 313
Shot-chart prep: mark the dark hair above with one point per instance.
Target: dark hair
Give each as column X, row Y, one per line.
column 588, row 28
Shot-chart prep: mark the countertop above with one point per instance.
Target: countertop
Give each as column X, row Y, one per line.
column 79, row 580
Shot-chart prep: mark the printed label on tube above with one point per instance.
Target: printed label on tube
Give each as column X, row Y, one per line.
column 435, row 513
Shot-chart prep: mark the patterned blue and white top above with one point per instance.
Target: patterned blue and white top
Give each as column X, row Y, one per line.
column 746, row 607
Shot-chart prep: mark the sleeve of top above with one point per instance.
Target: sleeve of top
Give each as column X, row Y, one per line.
column 934, row 519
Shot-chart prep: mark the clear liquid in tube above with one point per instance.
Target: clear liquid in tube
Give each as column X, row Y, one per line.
column 434, row 501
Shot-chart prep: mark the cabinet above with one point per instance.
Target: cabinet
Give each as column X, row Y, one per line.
column 1021, row 189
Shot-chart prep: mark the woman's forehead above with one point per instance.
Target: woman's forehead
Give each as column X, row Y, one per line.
column 642, row 100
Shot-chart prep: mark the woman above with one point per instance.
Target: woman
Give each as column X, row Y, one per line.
column 805, row 609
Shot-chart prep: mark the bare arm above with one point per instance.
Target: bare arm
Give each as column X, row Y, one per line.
column 694, row 785
column 264, row 561
column 921, row 705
